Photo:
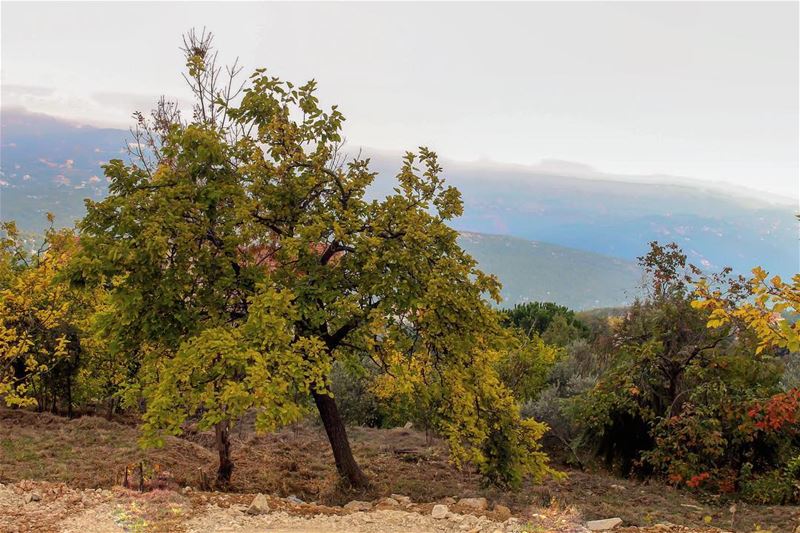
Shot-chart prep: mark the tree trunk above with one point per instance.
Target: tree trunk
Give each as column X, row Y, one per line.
column 110, row 410
column 337, row 435
column 69, row 395
column 223, row 442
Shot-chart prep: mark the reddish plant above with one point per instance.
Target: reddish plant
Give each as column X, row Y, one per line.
column 697, row 480
column 782, row 411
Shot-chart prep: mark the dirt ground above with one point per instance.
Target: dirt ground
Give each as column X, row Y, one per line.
column 54, row 507
column 92, row 454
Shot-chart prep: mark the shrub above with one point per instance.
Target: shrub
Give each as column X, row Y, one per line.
column 358, row 405
column 680, row 400
column 771, row 487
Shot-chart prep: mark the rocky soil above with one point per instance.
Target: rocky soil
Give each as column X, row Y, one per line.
column 79, row 463
column 29, row 506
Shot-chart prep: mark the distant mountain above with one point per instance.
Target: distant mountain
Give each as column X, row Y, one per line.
column 619, row 215
column 538, row 271
column 48, row 164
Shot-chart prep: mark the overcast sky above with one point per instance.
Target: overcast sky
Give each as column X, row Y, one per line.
column 702, row 90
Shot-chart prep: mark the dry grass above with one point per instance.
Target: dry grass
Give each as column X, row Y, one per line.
column 86, row 452
column 599, row 495
column 93, row 452
column 299, row 461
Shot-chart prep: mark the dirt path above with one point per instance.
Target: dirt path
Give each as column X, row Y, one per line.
column 54, row 507
column 42, row 507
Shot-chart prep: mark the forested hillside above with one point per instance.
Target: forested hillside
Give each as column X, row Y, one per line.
column 538, row 271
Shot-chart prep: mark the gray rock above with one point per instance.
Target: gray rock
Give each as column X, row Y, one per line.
column 358, row 505
column 603, row 525
column 479, row 504
column 439, row 511
column 33, row 497
column 259, row 505
column 294, row 499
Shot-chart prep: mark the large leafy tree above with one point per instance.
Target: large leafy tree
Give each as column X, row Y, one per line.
column 243, row 258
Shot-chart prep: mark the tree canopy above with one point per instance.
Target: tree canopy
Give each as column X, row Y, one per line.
column 242, row 258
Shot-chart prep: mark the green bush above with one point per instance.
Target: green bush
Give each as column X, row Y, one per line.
column 772, row 487
column 357, row 404
column 555, row 323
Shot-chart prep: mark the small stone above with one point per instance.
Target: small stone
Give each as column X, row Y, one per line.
column 186, row 490
column 692, row 506
column 294, row 499
column 358, row 505
column 408, row 425
column 33, row 497
column 479, row 504
column 259, row 505
column 603, row 525
column 503, row 513
column 439, row 511
column 389, row 501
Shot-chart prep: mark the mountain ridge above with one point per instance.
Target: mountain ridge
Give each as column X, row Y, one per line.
column 48, row 164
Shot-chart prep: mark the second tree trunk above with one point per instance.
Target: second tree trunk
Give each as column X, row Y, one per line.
column 223, row 443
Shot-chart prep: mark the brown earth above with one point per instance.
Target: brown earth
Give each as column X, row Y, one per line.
column 91, row 453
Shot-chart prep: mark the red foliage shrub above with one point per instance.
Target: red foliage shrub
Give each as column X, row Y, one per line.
column 782, row 411
column 697, row 480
